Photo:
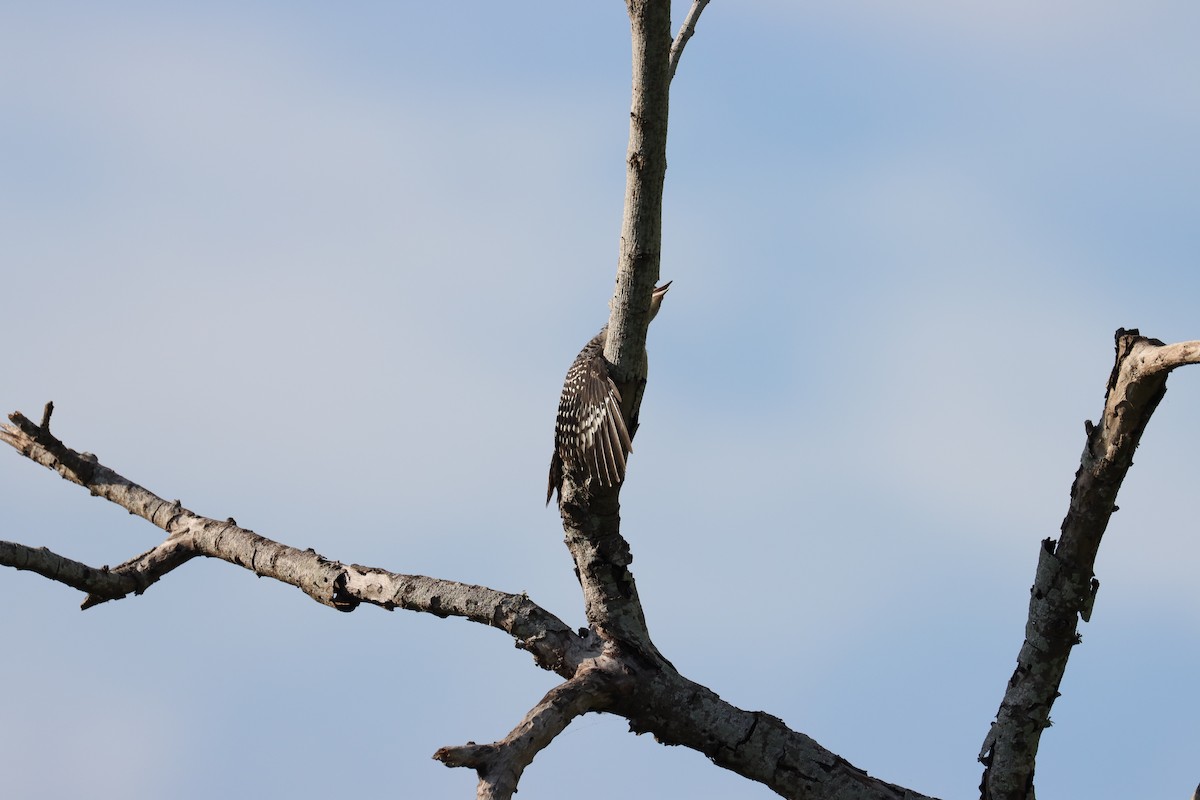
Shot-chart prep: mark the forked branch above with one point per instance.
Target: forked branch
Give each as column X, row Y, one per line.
column 342, row 586
column 501, row 764
column 100, row 583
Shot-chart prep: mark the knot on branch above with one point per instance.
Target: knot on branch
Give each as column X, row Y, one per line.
column 27, row 437
column 342, row 599
column 475, row 756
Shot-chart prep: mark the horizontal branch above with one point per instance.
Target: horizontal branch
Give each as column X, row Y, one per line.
column 103, row 581
column 553, row 644
column 1158, row 357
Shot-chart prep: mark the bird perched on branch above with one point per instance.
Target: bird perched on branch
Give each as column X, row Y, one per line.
column 591, row 437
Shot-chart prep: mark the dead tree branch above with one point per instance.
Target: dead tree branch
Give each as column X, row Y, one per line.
column 625, row 675
column 641, row 227
column 1065, row 586
column 686, row 31
column 660, row 700
column 591, row 516
column 753, row 744
column 102, row 582
column 553, row 644
column 614, row 667
column 501, row 764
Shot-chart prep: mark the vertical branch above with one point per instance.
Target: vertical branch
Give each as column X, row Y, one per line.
column 645, row 171
column 591, row 518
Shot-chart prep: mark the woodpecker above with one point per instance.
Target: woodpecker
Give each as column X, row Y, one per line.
column 591, row 439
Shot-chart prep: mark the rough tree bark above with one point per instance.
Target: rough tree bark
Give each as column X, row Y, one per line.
column 613, row 666
column 1064, row 586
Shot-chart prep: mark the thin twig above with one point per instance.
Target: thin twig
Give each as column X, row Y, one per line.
column 685, row 32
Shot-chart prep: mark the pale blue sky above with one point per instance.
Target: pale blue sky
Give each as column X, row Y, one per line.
column 322, row 269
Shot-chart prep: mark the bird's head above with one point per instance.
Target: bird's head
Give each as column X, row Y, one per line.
column 656, row 299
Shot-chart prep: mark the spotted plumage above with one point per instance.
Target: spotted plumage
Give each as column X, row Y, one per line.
column 591, row 437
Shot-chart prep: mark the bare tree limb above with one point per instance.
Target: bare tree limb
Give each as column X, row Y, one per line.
column 641, row 225
column 553, row 644
column 686, row 31
column 614, row 666
column 753, row 744
column 1148, row 361
column 609, row 672
column 146, row 569
column 591, row 517
column 501, row 764
column 661, row 701
column 1065, row 586
column 103, row 582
